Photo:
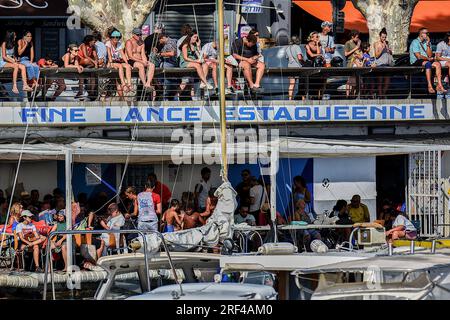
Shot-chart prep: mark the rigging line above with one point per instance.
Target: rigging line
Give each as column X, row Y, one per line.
column 19, row 162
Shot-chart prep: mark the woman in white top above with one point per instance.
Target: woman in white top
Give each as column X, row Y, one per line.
column 117, row 59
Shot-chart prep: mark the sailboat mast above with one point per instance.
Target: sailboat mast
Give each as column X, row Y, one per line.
column 223, row 128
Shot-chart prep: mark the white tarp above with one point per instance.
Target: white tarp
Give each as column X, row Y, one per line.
column 114, row 151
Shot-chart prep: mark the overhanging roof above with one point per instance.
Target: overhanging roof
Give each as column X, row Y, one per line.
column 115, row 151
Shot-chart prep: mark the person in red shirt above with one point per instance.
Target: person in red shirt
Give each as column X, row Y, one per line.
column 162, row 190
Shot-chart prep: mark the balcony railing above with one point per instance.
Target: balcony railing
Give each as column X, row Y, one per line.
column 311, row 84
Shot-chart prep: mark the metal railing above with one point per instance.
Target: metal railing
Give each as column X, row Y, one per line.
column 141, row 233
column 183, row 84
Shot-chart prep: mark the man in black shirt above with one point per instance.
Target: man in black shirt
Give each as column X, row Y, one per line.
column 246, row 53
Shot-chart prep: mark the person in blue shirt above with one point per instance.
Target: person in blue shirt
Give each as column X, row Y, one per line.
column 420, row 54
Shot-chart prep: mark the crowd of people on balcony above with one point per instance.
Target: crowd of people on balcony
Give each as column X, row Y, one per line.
column 159, row 50
column 30, row 219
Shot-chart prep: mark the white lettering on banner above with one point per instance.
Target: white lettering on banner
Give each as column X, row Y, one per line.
column 210, row 114
column 15, row 4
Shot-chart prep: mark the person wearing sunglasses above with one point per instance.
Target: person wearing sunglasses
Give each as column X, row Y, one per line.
column 118, row 60
column 72, row 60
column 421, row 54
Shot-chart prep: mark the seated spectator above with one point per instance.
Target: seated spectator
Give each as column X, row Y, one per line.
column 60, row 84
column 58, row 243
column 295, row 60
column 114, row 221
column 72, row 60
column 87, row 52
column 25, row 51
column 421, row 54
column 340, row 210
column 306, row 235
column 135, row 51
column 383, row 58
column 167, row 53
column 244, row 217
column 191, row 219
column 209, row 56
column 358, row 211
column 46, row 213
column 29, row 237
column 8, row 60
column 190, row 57
column 100, row 49
column 245, row 51
column 171, row 218
column 118, row 60
column 14, row 215
column 258, row 197
column 401, row 228
column 443, row 54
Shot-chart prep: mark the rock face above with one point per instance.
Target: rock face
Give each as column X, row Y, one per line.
column 125, row 15
column 394, row 15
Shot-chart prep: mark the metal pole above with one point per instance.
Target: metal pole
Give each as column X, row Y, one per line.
column 223, row 128
column 68, row 177
column 274, row 154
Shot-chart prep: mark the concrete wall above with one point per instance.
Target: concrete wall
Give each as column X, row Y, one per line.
column 40, row 175
column 341, row 178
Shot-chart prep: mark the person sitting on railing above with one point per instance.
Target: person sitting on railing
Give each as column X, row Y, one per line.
column 71, row 60
column 246, row 53
column 117, row 59
column 29, row 237
column 190, row 57
column 443, row 54
column 421, row 54
column 100, row 49
column 135, row 51
column 25, row 51
column 8, row 60
column 58, row 243
column 60, row 84
column 88, row 59
column 295, row 60
column 166, row 51
column 209, row 56
column 383, row 58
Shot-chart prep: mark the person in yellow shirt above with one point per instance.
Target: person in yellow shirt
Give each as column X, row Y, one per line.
column 358, row 211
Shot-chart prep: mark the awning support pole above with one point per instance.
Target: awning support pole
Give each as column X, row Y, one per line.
column 68, row 176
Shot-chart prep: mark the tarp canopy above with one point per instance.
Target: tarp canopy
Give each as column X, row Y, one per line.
column 117, row 151
column 433, row 14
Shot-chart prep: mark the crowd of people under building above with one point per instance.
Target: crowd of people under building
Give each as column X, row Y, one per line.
column 31, row 218
column 159, row 50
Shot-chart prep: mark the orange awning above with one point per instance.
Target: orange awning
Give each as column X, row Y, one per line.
column 433, row 14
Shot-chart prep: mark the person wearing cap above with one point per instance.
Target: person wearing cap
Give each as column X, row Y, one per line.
column 58, row 243
column 117, row 59
column 29, row 237
column 327, row 42
column 135, row 50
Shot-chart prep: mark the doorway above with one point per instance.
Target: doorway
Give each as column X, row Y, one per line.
column 391, row 179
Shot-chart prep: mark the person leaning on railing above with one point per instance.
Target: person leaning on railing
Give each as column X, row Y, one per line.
column 60, row 84
column 420, row 54
column 72, row 60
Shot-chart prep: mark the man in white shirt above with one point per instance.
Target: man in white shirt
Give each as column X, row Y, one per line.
column 327, row 42
column 115, row 221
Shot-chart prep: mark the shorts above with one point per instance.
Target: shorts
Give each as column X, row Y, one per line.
column 131, row 62
column 148, row 225
column 410, row 235
column 443, row 63
column 2, row 63
column 419, row 62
